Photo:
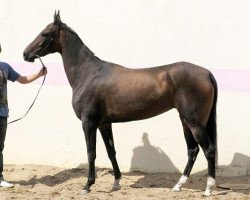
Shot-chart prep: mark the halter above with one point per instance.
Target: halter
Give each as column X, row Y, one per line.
column 46, row 46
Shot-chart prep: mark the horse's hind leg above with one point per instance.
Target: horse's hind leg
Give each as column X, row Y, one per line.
column 200, row 135
column 107, row 135
column 193, row 150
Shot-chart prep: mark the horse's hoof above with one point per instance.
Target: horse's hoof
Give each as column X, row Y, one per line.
column 116, row 188
column 207, row 193
column 116, row 185
column 85, row 191
column 176, row 189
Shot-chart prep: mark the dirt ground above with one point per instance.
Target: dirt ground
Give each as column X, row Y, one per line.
column 45, row 182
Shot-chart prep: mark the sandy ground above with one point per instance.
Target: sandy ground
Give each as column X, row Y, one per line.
column 45, row 182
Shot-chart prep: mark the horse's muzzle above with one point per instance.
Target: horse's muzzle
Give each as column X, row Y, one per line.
column 28, row 57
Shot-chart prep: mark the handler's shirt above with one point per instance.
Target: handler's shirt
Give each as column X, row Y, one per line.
column 6, row 73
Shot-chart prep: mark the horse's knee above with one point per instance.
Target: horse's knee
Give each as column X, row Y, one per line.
column 210, row 153
column 192, row 153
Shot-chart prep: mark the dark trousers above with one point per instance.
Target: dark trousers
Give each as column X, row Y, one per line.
column 3, row 128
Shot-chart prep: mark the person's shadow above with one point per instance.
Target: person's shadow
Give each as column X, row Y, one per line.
column 151, row 162
column 150, row 158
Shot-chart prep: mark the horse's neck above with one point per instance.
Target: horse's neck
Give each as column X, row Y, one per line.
column 79, row 62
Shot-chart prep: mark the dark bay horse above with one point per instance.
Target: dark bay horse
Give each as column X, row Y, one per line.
column 104, row 93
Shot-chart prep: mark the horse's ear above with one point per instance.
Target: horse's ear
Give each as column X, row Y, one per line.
column 57, row 18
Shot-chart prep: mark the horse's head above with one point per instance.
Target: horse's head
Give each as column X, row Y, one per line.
column 46, row 42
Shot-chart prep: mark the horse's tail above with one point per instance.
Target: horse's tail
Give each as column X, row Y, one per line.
column 211, row 124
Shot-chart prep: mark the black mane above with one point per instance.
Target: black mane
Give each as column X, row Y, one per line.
column 77, row 42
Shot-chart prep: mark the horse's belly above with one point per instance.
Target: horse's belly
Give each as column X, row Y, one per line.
column 137, row 111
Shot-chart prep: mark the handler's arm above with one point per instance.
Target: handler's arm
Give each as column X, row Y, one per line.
column 31, row 78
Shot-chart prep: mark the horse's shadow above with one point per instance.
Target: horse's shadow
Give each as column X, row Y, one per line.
column 152, row 158
column 56, row 179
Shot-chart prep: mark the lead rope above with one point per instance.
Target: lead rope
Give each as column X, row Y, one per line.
column 35, row 96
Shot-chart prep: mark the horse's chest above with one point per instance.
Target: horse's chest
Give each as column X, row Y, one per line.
column 83, row 102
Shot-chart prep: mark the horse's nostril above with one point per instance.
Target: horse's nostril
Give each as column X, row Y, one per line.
column 25, row 56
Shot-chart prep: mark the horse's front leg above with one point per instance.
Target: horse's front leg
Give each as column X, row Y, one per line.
column 89, row 128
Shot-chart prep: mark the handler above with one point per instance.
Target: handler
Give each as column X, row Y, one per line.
column 8, row 73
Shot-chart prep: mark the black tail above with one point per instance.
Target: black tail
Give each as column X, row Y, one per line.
column 211, row 124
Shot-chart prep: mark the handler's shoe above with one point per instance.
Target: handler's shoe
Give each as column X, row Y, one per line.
column 5, row 184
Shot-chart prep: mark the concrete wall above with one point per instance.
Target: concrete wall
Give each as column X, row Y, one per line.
column 140, row 33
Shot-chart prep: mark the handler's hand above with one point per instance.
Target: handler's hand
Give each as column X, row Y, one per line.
column 42, row 71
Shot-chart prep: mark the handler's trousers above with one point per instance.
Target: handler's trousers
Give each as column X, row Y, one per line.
column 3, row 128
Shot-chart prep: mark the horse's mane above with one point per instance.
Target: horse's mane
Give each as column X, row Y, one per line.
column 64, row 26
column 78, row 42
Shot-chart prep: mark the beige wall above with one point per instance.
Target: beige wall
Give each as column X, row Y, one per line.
column 140, row 33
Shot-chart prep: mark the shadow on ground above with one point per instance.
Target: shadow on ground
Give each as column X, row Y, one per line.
column 56, row 179
column 151, row 158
